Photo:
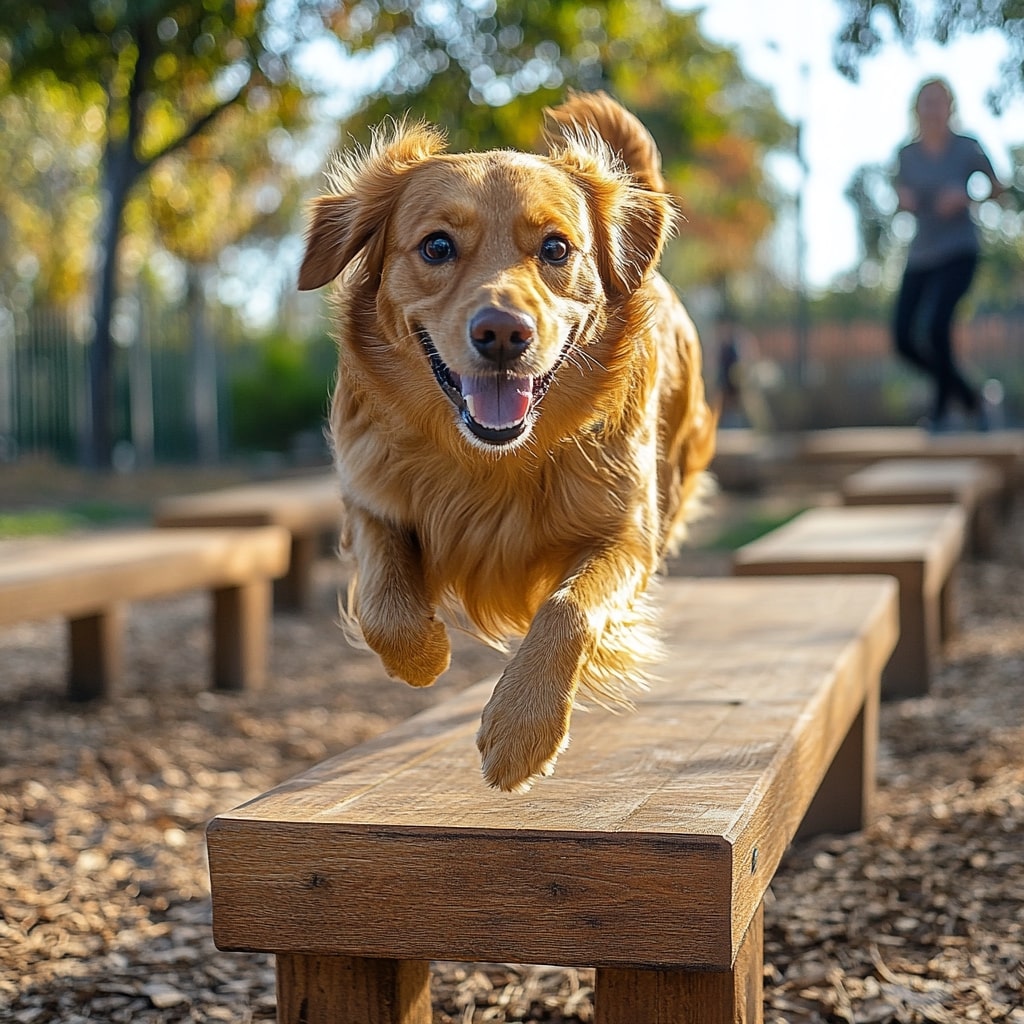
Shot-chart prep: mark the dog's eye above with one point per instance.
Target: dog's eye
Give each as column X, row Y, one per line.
column 437, row 248
column 554, row 249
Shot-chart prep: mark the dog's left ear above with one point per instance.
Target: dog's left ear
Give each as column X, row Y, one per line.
column 365, row 184
column 637, row 223
column 616, row 162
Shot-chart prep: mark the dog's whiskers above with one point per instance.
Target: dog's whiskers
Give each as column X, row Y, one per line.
column 579, row 357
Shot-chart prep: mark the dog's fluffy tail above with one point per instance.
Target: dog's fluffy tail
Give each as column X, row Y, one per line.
column 623, row 132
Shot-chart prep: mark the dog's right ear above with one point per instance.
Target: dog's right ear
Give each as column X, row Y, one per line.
column 363, row 188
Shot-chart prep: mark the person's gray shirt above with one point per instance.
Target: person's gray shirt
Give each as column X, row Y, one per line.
column 939, row 239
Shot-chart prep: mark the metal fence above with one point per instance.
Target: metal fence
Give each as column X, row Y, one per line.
column 851, row 377
column 159, row 391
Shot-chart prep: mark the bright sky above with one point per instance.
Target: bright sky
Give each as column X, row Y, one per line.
column 847, row 125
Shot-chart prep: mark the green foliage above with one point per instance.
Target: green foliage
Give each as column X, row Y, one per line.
column 50, row 522
column 192, row 88
column 861, row 33
column 486, row 78
column 36, row 523
column 169, row 72
column 285, row 394
column 748, row 530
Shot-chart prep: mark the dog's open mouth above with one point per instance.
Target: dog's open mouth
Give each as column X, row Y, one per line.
column 496, row 407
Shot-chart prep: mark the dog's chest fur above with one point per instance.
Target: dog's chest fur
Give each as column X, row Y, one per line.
column 497, row 536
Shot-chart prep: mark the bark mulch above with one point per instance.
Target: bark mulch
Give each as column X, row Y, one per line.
column 104, row 901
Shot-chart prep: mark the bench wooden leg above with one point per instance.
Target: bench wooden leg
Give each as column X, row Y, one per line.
column 687, row 997
column 845, row 797
column 984, row 525
column 352, row 990
column 241, row 621
column 292, row 591
column 908, row 673
column 96, row 653
column 947, row 609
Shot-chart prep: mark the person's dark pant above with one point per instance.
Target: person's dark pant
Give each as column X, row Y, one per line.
column 923, row 328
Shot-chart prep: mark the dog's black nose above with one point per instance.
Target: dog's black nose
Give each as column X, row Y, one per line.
column 500, row 335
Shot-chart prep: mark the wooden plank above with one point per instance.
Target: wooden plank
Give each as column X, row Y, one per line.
column 922, row 481
column 721, row 758
column 972, row 483
column 299, row 504
column 868, row 444
column 308, row 507
column 919, row 545
column 294, row 590
column 846, row 538
column 466, row 895
column 859, row 446
column 79, row 576
column 844, row 801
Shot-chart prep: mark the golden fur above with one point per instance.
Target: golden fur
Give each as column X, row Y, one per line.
column 469, row 284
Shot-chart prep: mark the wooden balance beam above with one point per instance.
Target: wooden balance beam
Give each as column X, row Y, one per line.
column 919, row 545
column 974, row 484
column 89, row 579
column 307, row 507
column 646, row 855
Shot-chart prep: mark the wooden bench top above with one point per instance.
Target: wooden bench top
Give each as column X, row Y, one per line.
column 745, row 458
column 299, row 503
column 77, row 575
column 1003, row 448
column 861, row 538
column 926, row 481
column 652, row 844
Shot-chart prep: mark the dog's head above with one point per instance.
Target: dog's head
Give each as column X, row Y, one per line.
column 491, row 272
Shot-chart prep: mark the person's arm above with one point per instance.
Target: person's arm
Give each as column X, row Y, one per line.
column 952, row 201
column 984, row 164
column 906, row 197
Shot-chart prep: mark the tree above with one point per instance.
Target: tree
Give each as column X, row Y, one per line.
column 486, row 73
column 871, row 194
column 862, row 33
column 167, row 71
column 47, row 196
column 174, row 85
column 239, row 182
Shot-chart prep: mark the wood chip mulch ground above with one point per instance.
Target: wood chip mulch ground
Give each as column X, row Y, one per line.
column 104, row 902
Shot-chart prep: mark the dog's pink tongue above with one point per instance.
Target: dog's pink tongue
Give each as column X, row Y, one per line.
column 497, row 402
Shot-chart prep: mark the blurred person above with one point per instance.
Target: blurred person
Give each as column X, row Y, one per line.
column 730, row 372
column 931, row 184
column 741, row 401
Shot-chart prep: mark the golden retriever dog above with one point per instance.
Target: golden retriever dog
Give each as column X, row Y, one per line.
column 519, row 420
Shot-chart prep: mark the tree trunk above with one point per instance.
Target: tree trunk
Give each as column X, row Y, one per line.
column 119, row 172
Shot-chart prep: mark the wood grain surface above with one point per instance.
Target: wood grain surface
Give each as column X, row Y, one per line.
column 78, row 575
column 652, row 844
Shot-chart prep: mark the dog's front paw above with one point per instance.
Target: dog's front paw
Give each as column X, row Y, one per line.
column 417, row 656
column 519, row 745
